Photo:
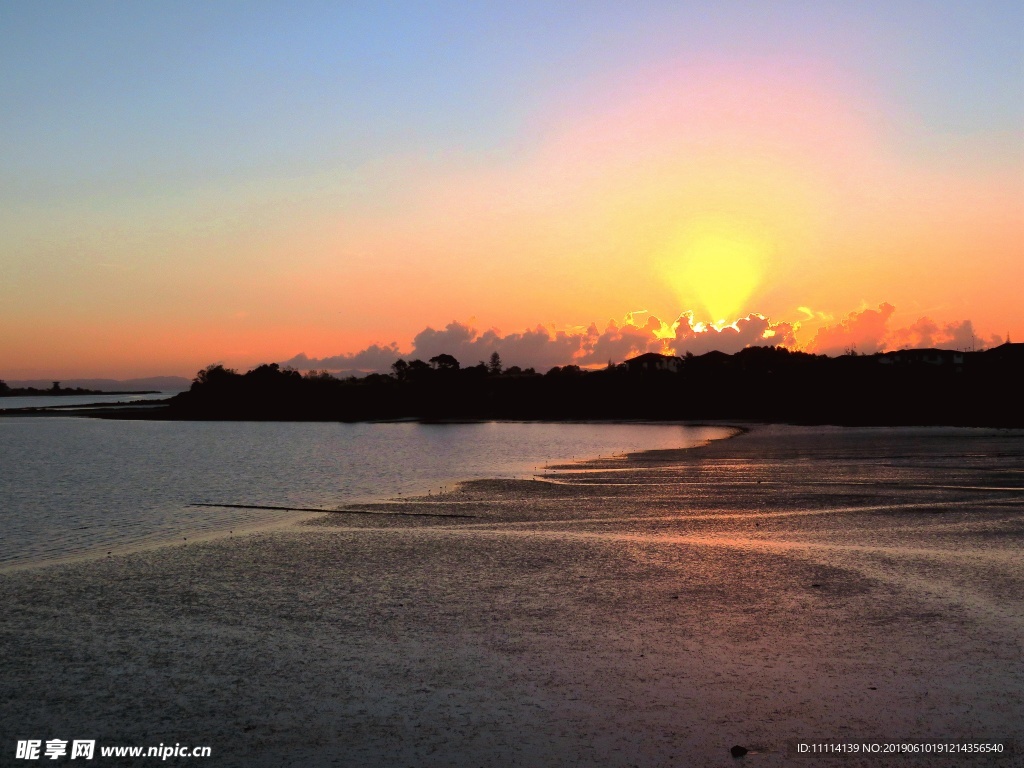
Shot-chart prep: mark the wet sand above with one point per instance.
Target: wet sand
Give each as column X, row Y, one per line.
column 785, row 585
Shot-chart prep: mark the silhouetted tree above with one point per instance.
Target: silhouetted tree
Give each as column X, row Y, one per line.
column 317, row 376
column 565, row 370
column 906, row 387
column 214, row 375
column 4, row 389
column 267, row 370
column 400, row 368
column 494, row 364
column 418, row 370
column 444, row 362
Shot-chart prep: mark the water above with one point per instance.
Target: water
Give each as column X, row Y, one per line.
column 792, row 584
column 71, row 487
column 74, row 402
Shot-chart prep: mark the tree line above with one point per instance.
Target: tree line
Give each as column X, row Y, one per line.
column 758, row 383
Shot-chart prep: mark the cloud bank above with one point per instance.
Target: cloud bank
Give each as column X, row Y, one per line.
column 543, row 348
column 865, row 331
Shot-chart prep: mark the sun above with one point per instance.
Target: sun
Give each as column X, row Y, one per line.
column 715, row 267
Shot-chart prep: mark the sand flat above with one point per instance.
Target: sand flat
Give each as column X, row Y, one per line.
column 789, row 584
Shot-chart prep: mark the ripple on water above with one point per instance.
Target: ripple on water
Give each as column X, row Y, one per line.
column 74, row 487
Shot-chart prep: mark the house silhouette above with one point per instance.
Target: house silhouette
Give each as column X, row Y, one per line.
column 652, row 361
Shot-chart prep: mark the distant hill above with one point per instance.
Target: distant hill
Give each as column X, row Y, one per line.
column 159, row 383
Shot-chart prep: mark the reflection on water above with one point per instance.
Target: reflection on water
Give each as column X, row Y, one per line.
column 933, row 515
column 77, row 486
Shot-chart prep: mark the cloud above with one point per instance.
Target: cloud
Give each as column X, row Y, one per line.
column 754, row 330
column 927, row 333
column 865, row 331
column 868, row 331
column 920, row 335
column 374, row 358
column 455, row 339
column 538, row 348
column 620, row 342
column 543, row 348
column 812, row 314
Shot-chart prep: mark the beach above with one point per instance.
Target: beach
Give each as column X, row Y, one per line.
column 785, row 586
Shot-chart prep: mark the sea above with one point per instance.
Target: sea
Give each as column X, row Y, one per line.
column 74, row 487
column 76, row 402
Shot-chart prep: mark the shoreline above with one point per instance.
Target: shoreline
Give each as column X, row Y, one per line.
column 160, row 410
column 297, row 513
column 614, row 617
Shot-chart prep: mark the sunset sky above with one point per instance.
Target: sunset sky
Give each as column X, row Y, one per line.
column 334, row 184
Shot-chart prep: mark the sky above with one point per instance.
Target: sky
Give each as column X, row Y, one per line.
column 334, row 185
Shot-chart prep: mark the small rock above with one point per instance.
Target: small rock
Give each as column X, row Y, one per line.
column 738, row 751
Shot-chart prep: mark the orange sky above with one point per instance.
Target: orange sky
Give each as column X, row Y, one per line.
column 784, row 185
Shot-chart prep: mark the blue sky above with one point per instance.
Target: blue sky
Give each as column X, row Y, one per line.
column 127, row 94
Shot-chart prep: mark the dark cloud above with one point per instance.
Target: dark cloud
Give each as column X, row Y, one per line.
column 539, row 348
column 374, row 358
column 456, row 339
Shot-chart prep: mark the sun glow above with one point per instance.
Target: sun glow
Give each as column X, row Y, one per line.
column 714, row 267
